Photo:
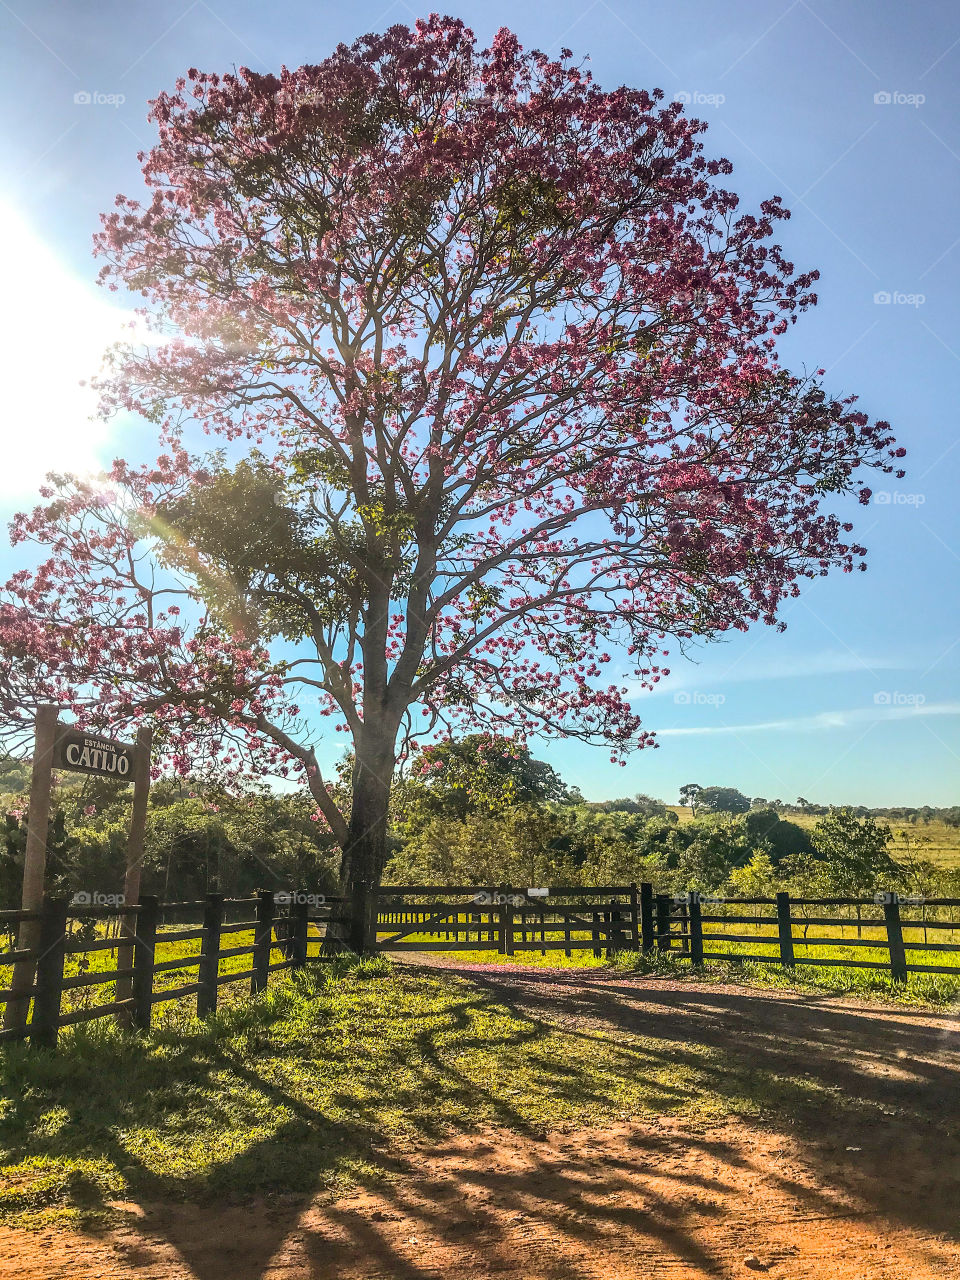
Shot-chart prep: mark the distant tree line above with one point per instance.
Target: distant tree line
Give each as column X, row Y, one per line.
column 481, row 810
column 730, row 800
column 478, row 810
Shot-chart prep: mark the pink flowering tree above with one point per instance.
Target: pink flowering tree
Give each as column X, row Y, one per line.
column 486, row 361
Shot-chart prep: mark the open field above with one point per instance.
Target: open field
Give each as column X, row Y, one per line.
column 933, row 840
column 477, row 1121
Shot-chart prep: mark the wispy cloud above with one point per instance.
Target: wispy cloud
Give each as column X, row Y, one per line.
column 797, row 666
column 822, row 720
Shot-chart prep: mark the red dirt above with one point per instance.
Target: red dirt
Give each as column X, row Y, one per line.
column 873, row 1197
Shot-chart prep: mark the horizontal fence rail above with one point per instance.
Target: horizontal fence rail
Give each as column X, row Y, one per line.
column 178, row 950
column 781, row 930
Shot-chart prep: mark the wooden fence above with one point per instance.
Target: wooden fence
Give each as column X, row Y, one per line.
column 690, row 926
column 288, row 931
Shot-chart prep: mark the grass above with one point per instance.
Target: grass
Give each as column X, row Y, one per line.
column 311, row 1086
column 921, row 989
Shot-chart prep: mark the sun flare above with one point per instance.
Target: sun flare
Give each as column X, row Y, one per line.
column 54, row 329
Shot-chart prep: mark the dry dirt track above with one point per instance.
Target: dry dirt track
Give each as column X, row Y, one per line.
column 875, row 1197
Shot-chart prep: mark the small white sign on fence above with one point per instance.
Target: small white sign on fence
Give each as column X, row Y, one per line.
column 538, row 893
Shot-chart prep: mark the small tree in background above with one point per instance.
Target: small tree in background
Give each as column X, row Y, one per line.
column 479, row 772
column 757, row 878
column 766, row 829
column 722, row 800
column 500, row 348
column 690, row 795
column 853, row 855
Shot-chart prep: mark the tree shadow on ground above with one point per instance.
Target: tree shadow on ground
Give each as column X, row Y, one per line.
column 313, row 1097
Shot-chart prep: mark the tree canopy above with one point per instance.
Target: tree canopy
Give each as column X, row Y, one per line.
column 491, row 356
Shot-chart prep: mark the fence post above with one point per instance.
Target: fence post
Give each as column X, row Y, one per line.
column 51, row 952
column 898, row 955
column 664, row 941
column 144, row 951
column 646, row 918
column 508, row 930
column 595, row 932
column 695, row 926
column 372, row 931
column 210, row 954
column 785, row 930
column 300, row 921
column 262, row 941
column 134, row 859
column 504, row 919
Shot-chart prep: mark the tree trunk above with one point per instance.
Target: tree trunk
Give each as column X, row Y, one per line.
column 365, row 851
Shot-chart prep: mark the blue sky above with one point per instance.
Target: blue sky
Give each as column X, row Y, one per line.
column 848, row 110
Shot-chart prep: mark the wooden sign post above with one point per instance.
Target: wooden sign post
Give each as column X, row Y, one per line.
column 34, row 865
column 59, row 746
column 131, row 879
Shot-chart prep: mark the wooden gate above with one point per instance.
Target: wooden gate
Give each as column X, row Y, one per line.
column 508, row 920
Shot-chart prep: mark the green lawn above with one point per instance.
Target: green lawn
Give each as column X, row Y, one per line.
column 306, row 1087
